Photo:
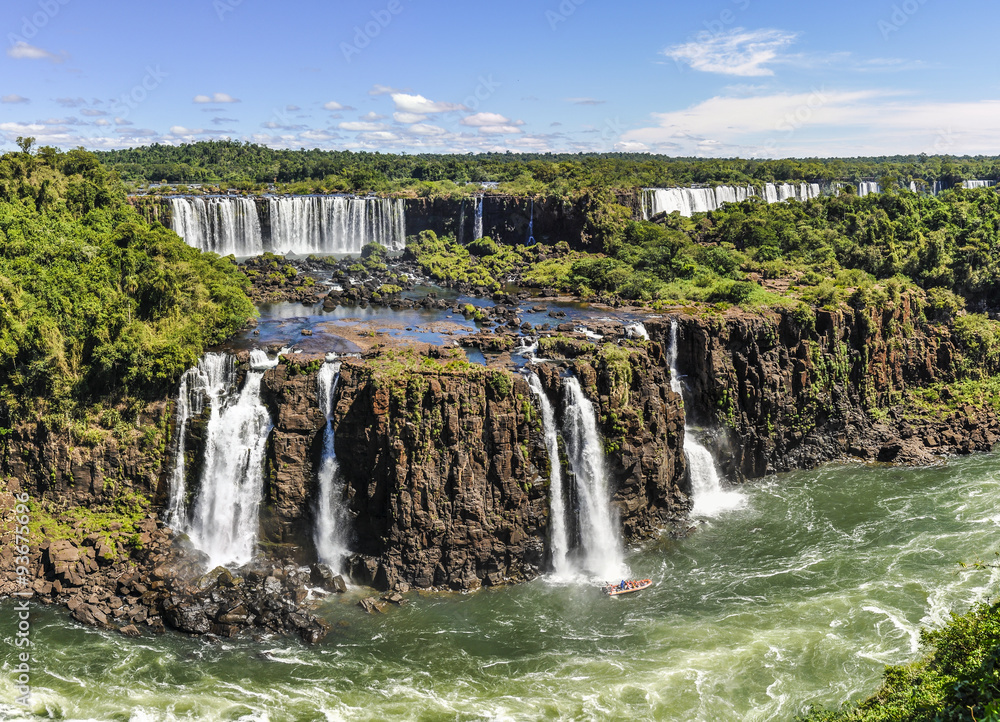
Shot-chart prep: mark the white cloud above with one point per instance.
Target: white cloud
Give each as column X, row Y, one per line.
column 383, row 90
column 13, row 99
column 382, row 136
column 356, row 126
column 102, row 122
column 122, row 121
column 499, row 129
column 71, row 102
column 91, row 113
column 426, row 130
column 292, row 108
column 585, row 101
column 480, row 120
column 23, row 51
column 216, row 98
column 334, row 106
column 372, row 116
column 419, row 104
column 407, row 118
column 740, row 52
column 824, row 123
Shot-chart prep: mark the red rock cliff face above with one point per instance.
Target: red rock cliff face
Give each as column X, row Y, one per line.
column 791, row 395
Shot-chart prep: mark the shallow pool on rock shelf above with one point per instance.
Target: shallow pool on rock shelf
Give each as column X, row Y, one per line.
column 801, row 597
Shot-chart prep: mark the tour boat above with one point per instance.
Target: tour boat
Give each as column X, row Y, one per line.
column 632, row 585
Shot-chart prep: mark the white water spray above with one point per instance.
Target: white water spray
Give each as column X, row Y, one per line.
column 224, row 520
column 558, row 527
column 710, row 499
column 602, row 548
column 331, row 517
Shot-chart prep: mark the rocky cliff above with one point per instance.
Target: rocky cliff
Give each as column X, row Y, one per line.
column 791, row 389
column 445, row 467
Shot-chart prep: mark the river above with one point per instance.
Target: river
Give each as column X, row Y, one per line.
column 800, row 597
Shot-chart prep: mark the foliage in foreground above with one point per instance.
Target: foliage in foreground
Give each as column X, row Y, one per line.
column 96, row 304
column 959, row 679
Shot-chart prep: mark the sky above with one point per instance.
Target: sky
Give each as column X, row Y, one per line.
column 723, row 78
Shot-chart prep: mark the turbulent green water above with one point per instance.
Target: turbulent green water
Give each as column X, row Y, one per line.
column 800, row 598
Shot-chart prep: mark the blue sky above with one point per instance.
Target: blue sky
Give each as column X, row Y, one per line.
column 749, row 78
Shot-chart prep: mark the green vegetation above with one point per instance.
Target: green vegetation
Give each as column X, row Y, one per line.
column 445, row 260
column 959, row 679
column 96, row 304
column 247, row 166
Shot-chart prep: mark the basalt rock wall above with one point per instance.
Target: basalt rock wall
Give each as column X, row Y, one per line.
column 792, row 390
column 446, row 472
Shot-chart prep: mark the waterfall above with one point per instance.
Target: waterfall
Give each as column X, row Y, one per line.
column 866, row 187
column 709, row 497
column 688, row 201
column 224, row 516
column 637, row 330
column 978, row 184
column 479, row 220
column 331, row 516
column 602, row 550
column 299, row 225
column 223, row 225
column 558, row 526
column 333, row 224
column 206, row 382
column 460, row 233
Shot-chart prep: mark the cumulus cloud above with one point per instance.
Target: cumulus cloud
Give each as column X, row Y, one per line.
column 740, row 52
column 23, row 51
column 14, row 99
column 426, row 130
column 383, row 90
column 406, row 103
column 479, row 120
column 823, row 122
column 361, row 126
column 407, row 118
column 216, row 98
column 334, row 106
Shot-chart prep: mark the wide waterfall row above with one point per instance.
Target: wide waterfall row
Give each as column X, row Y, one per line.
column 709, row 496
column 299, row 225
column 325, row 224
column 222, row 518
column 688, row 201
column 224, row 225
column 597, row 549
column 978, row 184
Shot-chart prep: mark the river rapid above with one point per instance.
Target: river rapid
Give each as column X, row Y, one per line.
column 799, row 597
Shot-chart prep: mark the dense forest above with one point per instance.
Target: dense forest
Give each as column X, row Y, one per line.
column 249, row 166
column 95, row 304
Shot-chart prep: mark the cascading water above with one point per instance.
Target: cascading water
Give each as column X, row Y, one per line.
column 602, row 548
column 867, row 187
column 223, row 225
column 331, row 517
column 978, row 184
column 206, row 382
column 479, row 220
column 688, row 201
column 558, row 520
column 224, row 518
column 710, row 499
column 331, row 224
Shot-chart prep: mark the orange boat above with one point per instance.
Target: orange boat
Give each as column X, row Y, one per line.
column 627, row 586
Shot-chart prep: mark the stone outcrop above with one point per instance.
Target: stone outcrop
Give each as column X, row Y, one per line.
column 792, row 391
column 445, row 468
